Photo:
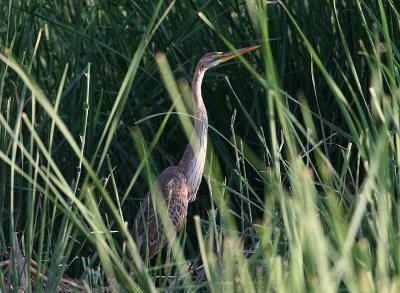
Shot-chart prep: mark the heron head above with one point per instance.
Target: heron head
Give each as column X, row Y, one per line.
column 215, row 58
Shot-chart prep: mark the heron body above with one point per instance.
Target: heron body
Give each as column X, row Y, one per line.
column 172, row 184
column 179, row 184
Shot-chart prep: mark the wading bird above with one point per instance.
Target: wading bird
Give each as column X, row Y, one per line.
column 179, row 184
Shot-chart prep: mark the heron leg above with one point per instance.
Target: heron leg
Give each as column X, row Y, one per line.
column 167, row 260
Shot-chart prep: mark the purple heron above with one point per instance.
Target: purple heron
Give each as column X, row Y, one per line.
column 179, row 184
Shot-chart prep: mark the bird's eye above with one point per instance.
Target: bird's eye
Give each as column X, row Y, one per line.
column 213, row 57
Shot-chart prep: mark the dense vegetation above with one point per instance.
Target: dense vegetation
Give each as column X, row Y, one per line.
column 301, row 185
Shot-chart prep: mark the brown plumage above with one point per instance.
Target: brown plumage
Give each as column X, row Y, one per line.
column 179, row 184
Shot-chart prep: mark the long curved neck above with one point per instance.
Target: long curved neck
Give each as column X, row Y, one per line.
column 193, row 158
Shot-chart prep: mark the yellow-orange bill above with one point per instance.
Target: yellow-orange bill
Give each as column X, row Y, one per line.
column 232, row 54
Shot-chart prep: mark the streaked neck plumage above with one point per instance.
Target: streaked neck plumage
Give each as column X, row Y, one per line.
column 193, row 158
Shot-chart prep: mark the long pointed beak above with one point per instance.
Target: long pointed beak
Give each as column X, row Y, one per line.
column 232, row 54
